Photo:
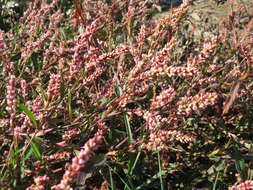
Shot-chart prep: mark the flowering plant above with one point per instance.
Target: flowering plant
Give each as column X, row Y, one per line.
column 102, row 77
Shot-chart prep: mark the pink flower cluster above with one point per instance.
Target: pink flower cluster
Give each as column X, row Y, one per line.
column 2, row 42
column 31, row 46
column 40, row 183
column 55, row 19
column 99, row 71
column 165, row 97
column 247, row 185
column 11, row 94
column 153, row 120
column 24, row 89
column 208, row 49
column 54, row 86
column 160, row 139
column 178, row 12
column 141, row 36
column 70, row 134
column 118, row 51
column 57, row 157
column 161, row 56
column 196, row 103
column 79, row 161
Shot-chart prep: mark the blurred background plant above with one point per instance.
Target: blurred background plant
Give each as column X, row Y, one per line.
column 10, row 12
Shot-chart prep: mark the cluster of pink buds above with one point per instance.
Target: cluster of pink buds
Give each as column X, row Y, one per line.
column 206, row 52
column 47, row 8
column 2, row 42
column 79, row 161
column 99, row 71
column 118, row 51
column 196, row 103
column 178, row 12
column 136, row 69
column 247, row 185
column 57, row 157
column 182, row 71
column 34, row 46
column 55, row 19
column 206, row 80
column 165, row 97
column 40, row 183
column 11, row 101
column 54, row 86
column 153, row 120
column 70, row 134
column 141, row 36
column 161, row 55
column 161, row 69
column 3, row 122
column 24, row 90
column 138, row 90
column 90, row 31
column 160, row 139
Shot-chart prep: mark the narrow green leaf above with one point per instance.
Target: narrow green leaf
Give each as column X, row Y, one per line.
column 153, row 178
column 128, row 128
column 69, row 104
column 34, row 148
column 119, row 93
column 111, row 179
column 214, row 152
column 160, row 169
column 29, row 114
column 134, row 164
column 216, row 180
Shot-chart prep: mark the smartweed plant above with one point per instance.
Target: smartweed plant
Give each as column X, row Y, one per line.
column 164, row 109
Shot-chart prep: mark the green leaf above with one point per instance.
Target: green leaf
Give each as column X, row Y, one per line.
column 214, row 152
column 70, row 105
column 29, row 114
column 240, row 164
column 34, row 147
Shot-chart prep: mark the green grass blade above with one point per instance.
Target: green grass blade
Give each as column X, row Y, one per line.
column 69, row 104
column 153, row 178
column 216, row 180
column 160, row 169
column 111, row 179
column 128, row 128
column 119, row 92
column 134, row 164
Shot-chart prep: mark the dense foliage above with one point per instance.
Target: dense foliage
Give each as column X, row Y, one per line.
column 98, row 95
